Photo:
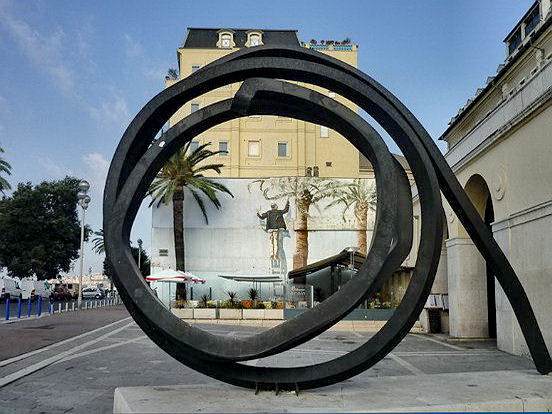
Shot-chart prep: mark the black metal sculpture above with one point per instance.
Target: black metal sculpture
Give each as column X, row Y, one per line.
column 139, row 156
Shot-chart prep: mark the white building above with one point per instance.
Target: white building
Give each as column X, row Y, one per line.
column 500, row 148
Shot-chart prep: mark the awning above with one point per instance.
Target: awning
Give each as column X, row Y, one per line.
column 253, row 278
column 343, row 258
column 176, row 276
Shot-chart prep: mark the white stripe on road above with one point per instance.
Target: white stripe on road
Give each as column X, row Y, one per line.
column 48, row 361
column 407, row 365
column 46, row 348
column 102, row 348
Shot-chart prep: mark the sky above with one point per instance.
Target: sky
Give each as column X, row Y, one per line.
column 74, row 73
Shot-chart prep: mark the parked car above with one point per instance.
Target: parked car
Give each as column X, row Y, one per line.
column 34, row 288
column 10, row 288
column 92, row 293
column 61, row 293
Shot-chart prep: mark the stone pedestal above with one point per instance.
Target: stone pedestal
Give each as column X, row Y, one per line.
column 476, row 391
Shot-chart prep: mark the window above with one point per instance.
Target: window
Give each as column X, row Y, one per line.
column 254, row 148
column 514, row 41
column 255, row 40
column 194, row 145
column 532, row 21
column 223, row 147
column 324, row 133
column 195, row 107
column 282, row 149
column 195, row 68
column 226, row 41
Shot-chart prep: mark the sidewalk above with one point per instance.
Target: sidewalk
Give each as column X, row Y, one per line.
column 344, row 326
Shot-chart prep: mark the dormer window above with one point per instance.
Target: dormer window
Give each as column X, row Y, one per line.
column 254, row 38
column 226, row 39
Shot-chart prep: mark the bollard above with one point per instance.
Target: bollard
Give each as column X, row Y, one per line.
column 19, row 306
column 59, row 307
column 7, row 309
column 66, row 306
column 73, row 306
column 50, row 308
column 39, row 306
column 29, row 307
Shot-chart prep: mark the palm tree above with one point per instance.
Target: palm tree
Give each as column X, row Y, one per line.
column 5, row 167
column 98, row 241
column 184, row 170
column 362, row 198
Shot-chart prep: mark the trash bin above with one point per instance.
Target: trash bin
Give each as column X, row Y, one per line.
column 434, row 316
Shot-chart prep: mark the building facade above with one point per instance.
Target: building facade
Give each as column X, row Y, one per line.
column 500, row 148
column 265, row 146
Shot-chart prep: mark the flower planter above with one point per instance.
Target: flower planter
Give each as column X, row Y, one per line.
column 205, row 313
column 253, row 313
column 183, row 313
column 274, row 314
column 230, row 313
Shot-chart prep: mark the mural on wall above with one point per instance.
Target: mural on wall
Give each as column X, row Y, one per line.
column 275, row 226
column 309, row 193
column 361, row 197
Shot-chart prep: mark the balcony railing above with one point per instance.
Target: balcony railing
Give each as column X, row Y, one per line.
column 316, row 46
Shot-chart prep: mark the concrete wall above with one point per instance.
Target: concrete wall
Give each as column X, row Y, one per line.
column 235, row 242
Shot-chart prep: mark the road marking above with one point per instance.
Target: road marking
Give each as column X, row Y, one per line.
column 407, row 365
column 102, row 348
column 427, row 338
column 65, row 341
column 49, row 361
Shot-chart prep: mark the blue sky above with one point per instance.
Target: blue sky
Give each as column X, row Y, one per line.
column 74, row 73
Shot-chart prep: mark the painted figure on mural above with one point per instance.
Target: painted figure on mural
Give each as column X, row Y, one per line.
column 275, row 223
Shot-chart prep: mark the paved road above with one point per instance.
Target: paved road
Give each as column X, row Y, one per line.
column 82, row 374
column 27, row 335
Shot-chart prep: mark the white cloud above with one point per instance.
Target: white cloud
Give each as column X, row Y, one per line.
column 54, row 169
column 44, row 50
column 98, row 167
column 111, row 112
column 133, row 48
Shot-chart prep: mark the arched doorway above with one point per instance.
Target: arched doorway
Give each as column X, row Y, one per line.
column 471, row 282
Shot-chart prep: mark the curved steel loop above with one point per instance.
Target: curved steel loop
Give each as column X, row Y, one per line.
column 303, row 376
column 133, row 165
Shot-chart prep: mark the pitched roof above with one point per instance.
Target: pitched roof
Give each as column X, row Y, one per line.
column 206, row 38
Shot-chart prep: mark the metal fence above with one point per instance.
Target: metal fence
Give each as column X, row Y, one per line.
column 20, row 309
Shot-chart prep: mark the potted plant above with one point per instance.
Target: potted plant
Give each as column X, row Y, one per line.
column 204, row 311
column 232, row 311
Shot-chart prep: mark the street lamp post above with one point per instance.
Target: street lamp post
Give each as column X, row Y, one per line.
column 84, row 200
column 139, row 253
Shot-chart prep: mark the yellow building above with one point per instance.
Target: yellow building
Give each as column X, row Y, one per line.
column 266, row 146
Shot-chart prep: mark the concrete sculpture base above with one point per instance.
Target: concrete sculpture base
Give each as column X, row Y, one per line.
column 474, row 391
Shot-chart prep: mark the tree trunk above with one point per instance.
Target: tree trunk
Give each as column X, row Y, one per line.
column 178, row 224
column 362, row 216
column 302, row 231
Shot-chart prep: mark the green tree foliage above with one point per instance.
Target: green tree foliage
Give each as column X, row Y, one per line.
column 5, row 168
column 40, row 229
column 144, row 263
